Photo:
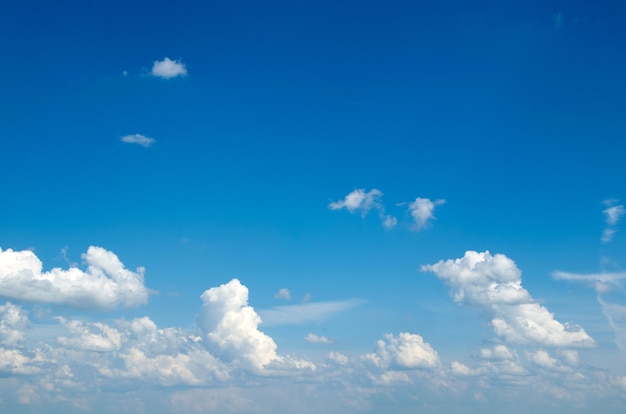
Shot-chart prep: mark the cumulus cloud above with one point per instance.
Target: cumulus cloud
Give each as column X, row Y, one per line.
column 493, row 284
column 283, row 294
column 613, row 215
column 13, row 323
column 94, row 336
column 168, row 68
column 317, row 339
column 231, row 325
column 422, row 210
column 106, row 284
column 306, row 312
column 360, row 200
column 138, row 139
column 406, row 351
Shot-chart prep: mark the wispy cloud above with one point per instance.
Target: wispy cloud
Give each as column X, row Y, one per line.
column 168, row 68
column 613, row 215
column 317, row 339
column 138, row 139
column 306, row 312
column 360, row 200
column 283, row 293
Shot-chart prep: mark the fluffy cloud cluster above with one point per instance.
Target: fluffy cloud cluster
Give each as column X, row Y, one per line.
column 168, row 68
column 106, row 284
column 13, row 323
column 493, row 284
column 138, row 139
column 317, row 339
column 406, row 351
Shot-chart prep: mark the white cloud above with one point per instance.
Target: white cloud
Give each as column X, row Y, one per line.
column 94, row 336
column 306, row 312
column 613, row 214
column 283, row 294
column 106, row 284
column 407, row 351
column 13, row 323
column 168, row 68
column 360, row 200
column 422, row 211
column 493, row 284
column 317, row 339
column 138, row 139
column 231, row 325
column 338, row 358
column 390, row 222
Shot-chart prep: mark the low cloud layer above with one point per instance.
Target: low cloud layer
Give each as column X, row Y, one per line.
column 106, row 284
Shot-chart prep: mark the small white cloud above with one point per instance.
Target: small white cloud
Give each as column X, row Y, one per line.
column 317, row 339
column 422, row 211
column 307, row 297
column 306, row 312
column 106, row 284
column 601, row 282
column 359, row 200
column 283, row 293
column 138, row 139
column 390, row 222
column 168, row 68
column 13, row 323
column 612, row 215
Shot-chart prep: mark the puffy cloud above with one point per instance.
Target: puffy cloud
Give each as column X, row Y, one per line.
column 231, row 325
column 138, row 139
column 168, row 68
column 338, row 358
column 283, row 294
column 306, row 312
column 493, row 284
column 543, row 359
column 422, row 210
column 13, row 323
column 360, row 200
column 94, row 336
column 317, row 339
column 106, row 284
column 407, row 351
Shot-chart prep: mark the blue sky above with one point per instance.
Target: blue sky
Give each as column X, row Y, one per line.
column 312, row 206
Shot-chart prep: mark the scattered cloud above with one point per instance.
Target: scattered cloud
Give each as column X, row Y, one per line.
column 13, row 323
column 138, row 139
column 168, row 68
column 317, row 339
column 106, row 284
column 283, row 293
column 360, row 200
column 306, row 312
column 422, row 210
column 613, row 215
column 493, row 285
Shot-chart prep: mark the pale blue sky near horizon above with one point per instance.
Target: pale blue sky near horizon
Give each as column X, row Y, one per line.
column 271, row 114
